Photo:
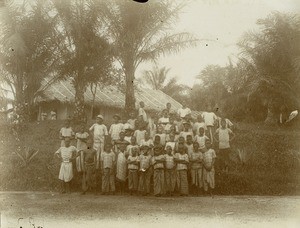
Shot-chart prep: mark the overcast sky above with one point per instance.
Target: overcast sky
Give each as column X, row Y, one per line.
column 222, row 22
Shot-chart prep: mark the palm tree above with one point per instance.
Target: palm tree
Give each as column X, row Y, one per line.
column 272, row 56
column 84, row 51
column 156, row 77
column 141, row 32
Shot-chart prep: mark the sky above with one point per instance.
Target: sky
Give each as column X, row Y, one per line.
column 218, row 24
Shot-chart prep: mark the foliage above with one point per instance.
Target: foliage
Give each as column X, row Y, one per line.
column 84, row 51
column 141, row 32
column 272, row 56
column 26, row 50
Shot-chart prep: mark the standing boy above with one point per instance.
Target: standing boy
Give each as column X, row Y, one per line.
column 108, row 160
column 89, row 161
column 133, row 166
column 224, row 135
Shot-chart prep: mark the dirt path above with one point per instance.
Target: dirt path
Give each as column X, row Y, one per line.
column 54, row 210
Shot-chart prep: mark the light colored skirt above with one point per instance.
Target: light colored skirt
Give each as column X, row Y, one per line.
column 121, row 169
column 80, row 162
column 208, row 178
column 182, row 182
column 196, row 175
column 66, row 171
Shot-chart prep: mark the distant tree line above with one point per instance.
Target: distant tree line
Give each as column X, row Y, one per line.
column 264, row 81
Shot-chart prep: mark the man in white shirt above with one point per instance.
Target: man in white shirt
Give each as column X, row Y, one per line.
column 99, row 131
column 184, row 111
column 209, row 119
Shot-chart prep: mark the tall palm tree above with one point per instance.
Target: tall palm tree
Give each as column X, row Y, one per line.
column 26, row 50
column 142, row 32
column 84, row 51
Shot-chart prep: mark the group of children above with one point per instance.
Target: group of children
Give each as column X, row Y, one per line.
column 166, row 155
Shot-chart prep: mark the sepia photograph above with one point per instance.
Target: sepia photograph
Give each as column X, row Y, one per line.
column 149, row 113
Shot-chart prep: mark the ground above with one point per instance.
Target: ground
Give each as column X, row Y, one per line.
column 47, row 209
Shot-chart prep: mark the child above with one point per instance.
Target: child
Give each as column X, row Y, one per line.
column 99, row 132
column 162, row 135
column 89, row 161
column 147, row 141
column 201, row 138
column 81, row 137
column 128, row 134
column 115, row 129
column 195, row 159
column 121, row 167
column 158, row 176
column 120, row 141
column 170, row 125
column 184, row 111
column 186, row 130
column 189, row 144
column 224, row 135
column 170, row 172
column 210, row 118
column 139, row 134
column 151, row 127
column 164, row 120
column 180, row 141
column 133, row 166
column 209, row 156
column 142, row 112
column 66, row 131
column 144, row 171
column 131, row 146
column 131, row 121
column 182, row 160
column 199, row 124
column 171, row 143
column 140, row 123
column 108, row 160
column 67, row 153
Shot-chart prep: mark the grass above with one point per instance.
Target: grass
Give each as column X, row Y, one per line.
column 272, row 168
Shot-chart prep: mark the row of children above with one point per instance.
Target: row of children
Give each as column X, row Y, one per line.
column 137, row 134
column 167, row 171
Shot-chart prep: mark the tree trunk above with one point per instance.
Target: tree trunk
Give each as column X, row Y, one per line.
column 79, row 112
column 129, row 96
column 272, row 117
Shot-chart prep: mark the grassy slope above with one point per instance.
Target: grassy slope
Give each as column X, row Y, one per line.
column 273, row 168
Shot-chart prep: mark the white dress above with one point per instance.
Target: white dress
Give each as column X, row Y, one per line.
column 66, row 168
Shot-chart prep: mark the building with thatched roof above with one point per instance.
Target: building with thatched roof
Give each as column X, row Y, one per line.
column 59, row 97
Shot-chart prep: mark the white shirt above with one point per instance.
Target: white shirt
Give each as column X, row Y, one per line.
column 100, row 131
column 143, row 113
column 163, row 120
column 197, row 126
column 140, row 135
column 209, row 118
column 224, row 137
column 182, row 112
column 115, row 130
column 201, row 140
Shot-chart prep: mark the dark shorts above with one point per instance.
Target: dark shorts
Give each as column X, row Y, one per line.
column 224, row 154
